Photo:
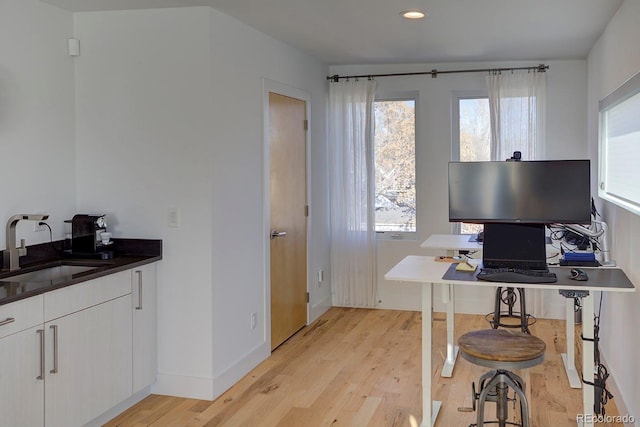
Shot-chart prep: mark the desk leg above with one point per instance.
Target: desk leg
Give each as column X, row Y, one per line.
column 569, row 357
column 448, row 297
column 429, row 409
column 588, row 392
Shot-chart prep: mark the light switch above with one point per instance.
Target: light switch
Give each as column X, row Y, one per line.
column 173, row 217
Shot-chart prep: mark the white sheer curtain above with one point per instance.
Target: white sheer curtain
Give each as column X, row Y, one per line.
column 351, row 193
column 517, row 104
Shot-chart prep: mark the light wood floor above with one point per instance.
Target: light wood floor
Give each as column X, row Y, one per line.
column 359, row 367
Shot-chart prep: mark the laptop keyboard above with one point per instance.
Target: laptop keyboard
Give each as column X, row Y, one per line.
column 516, row 275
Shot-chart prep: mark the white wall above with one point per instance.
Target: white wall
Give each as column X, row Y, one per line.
column 170, row 100
column 143, row 102
column 613, row 60
column 36, row 117
column 565, row 138
column 242, row 59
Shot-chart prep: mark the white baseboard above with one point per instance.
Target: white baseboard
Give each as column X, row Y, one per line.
column 119, row 408
column 319, row 309
column 223, row 381
column 210, row 388
column 183, row 386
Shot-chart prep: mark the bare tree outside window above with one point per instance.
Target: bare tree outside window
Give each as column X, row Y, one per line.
column 395, row 166
column 475, row 139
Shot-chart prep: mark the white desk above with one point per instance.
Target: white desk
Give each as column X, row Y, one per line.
column 458, row 242
column 451, row 243
column 427, row 272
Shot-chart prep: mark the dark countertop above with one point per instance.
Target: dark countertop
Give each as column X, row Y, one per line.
column 129, row 253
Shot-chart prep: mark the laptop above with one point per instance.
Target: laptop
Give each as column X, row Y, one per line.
column 514, row 245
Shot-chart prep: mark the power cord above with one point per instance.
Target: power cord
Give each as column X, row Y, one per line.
column 602, row 395
column 59, row 251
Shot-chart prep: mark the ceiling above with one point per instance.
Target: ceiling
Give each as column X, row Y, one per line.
column 371, row 31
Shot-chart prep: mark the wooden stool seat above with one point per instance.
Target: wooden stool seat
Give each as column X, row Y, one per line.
column 502, row 349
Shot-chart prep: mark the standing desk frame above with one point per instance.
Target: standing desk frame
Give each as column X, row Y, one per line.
column 427, row 272
column 452, row 244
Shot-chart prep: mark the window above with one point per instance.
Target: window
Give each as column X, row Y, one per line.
column 395, row 166
column 474, row 138
column 475, row 130
column 619, row 146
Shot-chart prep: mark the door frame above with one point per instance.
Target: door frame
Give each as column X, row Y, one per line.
column 271, row 86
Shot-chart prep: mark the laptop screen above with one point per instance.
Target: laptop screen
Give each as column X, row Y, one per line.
column 514, row 246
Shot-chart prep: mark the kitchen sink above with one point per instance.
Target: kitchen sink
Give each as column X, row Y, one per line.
column 50, row 274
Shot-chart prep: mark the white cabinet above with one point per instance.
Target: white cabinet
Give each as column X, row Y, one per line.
column 88, row 363
column 69, row 355
column 145, row 309
column 88, row 349
column 21, row 391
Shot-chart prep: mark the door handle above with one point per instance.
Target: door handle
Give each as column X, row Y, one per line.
column 276, row 233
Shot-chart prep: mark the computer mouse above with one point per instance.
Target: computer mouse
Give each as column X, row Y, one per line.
column 578, row 274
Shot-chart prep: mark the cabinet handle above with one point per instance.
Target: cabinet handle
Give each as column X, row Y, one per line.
column 55, row 349
column 41, row 333
column 139, row 273
column 7, row 321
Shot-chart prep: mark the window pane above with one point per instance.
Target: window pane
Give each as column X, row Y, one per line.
column 621, row 150
column 395, row 166
column 475, row 130
column 475, row 139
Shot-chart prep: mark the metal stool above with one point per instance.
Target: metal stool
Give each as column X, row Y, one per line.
column 508, row 297
column 502, row 350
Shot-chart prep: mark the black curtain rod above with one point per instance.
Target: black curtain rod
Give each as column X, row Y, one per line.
column 541, row 68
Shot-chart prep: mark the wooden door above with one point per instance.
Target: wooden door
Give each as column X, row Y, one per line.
column 288, row 214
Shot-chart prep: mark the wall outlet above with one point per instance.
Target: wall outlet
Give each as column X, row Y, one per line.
column 254, row 320
column 38, row 227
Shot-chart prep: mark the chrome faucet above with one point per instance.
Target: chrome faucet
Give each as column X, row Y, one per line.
column 12, row 253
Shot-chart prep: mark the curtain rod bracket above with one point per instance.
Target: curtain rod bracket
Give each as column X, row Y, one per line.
column 434, row 73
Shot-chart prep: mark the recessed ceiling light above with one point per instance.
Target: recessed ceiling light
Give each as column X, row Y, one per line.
column 413, row 14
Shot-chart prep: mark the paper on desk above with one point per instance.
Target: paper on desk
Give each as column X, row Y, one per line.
column 465, row 266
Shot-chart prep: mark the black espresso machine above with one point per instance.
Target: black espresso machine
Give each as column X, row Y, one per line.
column 86, row 241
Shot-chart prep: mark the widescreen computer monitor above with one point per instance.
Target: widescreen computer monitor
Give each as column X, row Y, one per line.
column 515, row 199
column 541, row 192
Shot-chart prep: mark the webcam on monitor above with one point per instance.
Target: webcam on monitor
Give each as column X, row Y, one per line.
column 517, row 156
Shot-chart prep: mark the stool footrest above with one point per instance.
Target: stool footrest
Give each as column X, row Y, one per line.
column 496, row 390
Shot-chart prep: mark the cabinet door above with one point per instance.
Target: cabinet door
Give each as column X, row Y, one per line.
column 145, row 309
column 21, row 392
column 88, row 363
